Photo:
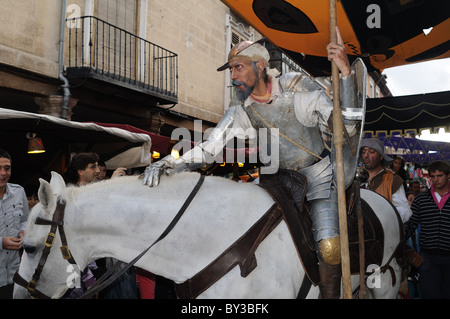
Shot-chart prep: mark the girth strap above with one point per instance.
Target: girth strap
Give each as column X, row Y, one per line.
column 241, row 253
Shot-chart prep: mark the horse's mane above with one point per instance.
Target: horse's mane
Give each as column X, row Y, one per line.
column 133, row 184
column 130, row 183
column 71, row 192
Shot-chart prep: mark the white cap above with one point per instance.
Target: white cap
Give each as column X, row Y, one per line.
column 249, row 51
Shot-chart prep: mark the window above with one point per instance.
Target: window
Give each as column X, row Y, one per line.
column 236, row 38
column 119, row 47
column 377, row 92
column 121, row 13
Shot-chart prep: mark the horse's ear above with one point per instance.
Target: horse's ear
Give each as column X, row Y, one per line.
column 57, row 184
column 46, row 197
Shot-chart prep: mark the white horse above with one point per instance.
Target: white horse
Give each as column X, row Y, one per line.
column 121, row 217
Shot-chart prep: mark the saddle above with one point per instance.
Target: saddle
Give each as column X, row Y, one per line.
column 373, row 232
column 288, row 189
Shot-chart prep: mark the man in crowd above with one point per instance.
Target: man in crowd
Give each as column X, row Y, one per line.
column 381, row 179
column 385, row 182
column 13, row 217
column 414, row 187
column 84, row 169
column 431, row 210
column 102, row 174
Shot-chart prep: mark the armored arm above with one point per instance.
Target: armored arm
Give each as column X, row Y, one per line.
column 352, row 93
column 196, row 158
column 353, row 104
column 215, row 142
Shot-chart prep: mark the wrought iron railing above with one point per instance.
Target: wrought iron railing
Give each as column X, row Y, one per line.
column 102, row 50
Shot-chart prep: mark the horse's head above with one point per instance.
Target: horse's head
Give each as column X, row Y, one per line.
column 43, row 270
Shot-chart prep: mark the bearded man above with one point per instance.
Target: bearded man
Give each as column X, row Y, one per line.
column 300, row 109
column 381, row 178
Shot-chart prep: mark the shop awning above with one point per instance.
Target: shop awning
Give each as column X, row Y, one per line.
column 116, row 144
column 403, row 114
column 415, row 150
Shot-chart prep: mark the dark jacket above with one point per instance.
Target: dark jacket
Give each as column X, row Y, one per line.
column 435, row 223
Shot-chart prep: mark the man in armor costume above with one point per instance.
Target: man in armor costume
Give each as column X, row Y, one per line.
column 381, row 178
column 300, row 109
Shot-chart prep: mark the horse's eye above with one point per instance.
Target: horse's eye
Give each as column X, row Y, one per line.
column 29, row 249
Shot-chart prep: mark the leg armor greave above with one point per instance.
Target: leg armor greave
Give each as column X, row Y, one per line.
column 326, row 228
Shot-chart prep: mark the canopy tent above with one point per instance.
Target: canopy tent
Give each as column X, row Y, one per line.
column 383, row 33
column 413, row 113
column 117, row 145
column 425, row 159
column 159, row 144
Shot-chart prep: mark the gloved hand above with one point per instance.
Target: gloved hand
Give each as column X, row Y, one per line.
column 168, row 166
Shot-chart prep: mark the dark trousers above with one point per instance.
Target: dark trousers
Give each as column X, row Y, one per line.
column 435, row 276
column 6, row 292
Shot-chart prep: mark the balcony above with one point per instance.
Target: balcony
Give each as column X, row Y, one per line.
column 102, row 52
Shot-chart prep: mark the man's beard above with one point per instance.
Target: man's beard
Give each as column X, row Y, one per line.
column 242, row 95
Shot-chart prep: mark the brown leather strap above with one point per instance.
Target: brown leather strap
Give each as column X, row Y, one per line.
column 288, row 189
column 385, row 187
column 22, row 282
column 57, row 222
column 241, row 253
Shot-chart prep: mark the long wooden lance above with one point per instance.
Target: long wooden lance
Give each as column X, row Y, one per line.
column 338, row 138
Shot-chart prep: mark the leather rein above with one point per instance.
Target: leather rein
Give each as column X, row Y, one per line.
column 57, row 223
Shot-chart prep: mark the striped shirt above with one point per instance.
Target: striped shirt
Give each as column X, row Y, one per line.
column 434, row 222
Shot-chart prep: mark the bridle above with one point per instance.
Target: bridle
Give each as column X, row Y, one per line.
column 57, row 223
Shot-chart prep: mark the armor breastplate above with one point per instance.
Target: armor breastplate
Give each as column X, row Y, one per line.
column 280, row 114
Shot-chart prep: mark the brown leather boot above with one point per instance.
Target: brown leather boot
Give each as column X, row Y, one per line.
column 330, row 280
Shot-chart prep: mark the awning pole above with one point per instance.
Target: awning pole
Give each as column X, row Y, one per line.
column 338, row 137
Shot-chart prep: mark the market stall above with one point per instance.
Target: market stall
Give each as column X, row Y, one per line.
column 117, row 145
